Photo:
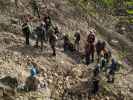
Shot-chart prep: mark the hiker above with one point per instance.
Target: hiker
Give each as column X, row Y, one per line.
column 77, row 40
column 95, row 87
column 96, row 70
column 66, row 42
column 105, row 52
column 32, row 81
column 48, row 23
column 89, row 52
column 27, row 31
column 91, row 37
column 41, row 34
column 98, row 49
column 52, row 40
column 35, row 8
column 112, row 69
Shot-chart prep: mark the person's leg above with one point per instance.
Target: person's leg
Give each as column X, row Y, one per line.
column 41, row 44
column 38, row 13
column 54, row 51
column 27, row 38
column 37, row 40
column 87, row 59
column 92, row 57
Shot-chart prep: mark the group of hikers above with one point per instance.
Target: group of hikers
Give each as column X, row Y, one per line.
column 47, row 32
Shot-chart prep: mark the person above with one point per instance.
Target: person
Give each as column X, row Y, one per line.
column 95, row 87
column 35, row 8
column 98, row 47
column 89, row 52
column 48, row 23
column 52, row 40
column 77, row 40
column 96, row 70
column 27, row 31
column 40, row 31
column 66, row 42
column 103, row 63
column 91, row 37
column 112, row 69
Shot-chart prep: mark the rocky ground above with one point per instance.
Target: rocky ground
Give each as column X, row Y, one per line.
column 66, row 75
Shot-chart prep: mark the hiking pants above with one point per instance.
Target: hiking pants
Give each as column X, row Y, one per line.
column 36, row 11
column 27, row 36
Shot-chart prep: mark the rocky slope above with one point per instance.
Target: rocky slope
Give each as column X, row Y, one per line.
column 66, row 75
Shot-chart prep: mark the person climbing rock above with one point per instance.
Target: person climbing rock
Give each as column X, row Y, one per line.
column 41, row 32
column 89, row 52
column 35, row 8
column 77, row 40
column 27, row 31
column 52, row 40
column 112, row 70
column 48, row 23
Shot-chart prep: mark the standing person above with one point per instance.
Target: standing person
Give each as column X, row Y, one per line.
column 66, row 42
column 77, row 40
column 48, row 23
column 98, row 49
column 52, row 41
column 27, row 31
column 35, row 8
column 89, row 52
column 40, row 31
column 90, row 47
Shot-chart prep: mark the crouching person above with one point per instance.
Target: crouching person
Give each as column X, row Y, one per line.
column 32, row 81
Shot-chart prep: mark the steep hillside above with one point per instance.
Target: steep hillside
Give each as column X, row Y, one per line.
column 66, row 75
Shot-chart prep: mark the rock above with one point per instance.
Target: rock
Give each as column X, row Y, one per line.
column 9, row 81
